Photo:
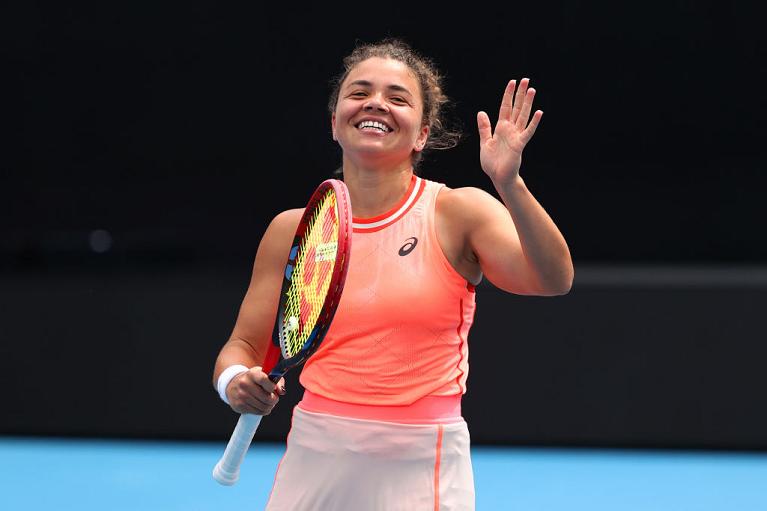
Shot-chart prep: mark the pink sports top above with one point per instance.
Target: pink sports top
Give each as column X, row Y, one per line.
column 399, row 335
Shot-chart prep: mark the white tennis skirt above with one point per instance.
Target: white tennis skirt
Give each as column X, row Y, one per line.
column 337, row 463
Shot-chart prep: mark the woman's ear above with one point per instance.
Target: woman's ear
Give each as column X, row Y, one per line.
column 333, row 126
column 423, row 136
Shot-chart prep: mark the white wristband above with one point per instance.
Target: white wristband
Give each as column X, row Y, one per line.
column 226, row 376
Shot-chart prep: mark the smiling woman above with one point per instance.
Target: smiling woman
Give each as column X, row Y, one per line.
column 382, row 399
column 379, row 114
column 428, row 86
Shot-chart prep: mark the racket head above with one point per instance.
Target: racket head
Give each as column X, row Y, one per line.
column 314, row 275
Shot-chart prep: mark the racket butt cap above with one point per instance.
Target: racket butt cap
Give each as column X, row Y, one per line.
column 223, row 477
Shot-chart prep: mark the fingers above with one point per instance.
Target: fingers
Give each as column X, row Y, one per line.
column 517, row 103
column 527, row 104
column 253, row 392
column 530, row 131
column 504, row 114
column 281, row 385
column 523, row 105
column 485, row 129
column 519, row 100
column 255, row 404
column 258, row 377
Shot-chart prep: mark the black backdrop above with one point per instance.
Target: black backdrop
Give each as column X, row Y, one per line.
column 149, row 145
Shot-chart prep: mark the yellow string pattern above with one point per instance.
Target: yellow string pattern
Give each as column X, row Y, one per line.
column 311, row 277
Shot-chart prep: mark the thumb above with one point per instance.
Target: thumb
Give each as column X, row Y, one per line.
column 485, row 130
column 261, row 379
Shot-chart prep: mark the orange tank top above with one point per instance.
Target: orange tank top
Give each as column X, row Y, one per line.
column 400, row 331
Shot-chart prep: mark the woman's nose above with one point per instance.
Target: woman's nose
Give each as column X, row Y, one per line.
column 375, row 103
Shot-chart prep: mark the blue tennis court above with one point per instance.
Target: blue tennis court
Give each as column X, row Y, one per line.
column 82, row 475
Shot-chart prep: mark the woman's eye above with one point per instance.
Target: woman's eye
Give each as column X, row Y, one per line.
column 358, row 94
column 398, row 99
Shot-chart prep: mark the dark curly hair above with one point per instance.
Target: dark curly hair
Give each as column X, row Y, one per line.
column 429, row 79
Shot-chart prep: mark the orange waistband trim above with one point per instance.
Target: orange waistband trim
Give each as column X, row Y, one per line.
column 427, row 410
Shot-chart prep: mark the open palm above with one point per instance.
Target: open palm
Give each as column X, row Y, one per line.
column 500, row 152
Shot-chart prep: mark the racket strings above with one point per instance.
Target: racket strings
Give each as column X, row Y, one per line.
column 311, row 277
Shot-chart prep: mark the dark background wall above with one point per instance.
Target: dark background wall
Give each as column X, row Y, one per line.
column 148, row 146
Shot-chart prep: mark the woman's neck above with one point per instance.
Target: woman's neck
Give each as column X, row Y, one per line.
column 376, row 189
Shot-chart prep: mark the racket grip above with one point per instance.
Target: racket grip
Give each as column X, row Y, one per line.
column 227, row 470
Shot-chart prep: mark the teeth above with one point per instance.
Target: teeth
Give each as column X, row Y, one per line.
column 374, row 124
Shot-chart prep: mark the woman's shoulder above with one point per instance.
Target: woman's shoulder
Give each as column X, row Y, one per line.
column 464, row 203
column 287, row 219
column 282, row 229
column 464, row 194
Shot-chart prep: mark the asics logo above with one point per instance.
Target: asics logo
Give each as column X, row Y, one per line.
column 408, row 247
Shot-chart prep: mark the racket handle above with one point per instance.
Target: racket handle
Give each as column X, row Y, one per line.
column 227, row 470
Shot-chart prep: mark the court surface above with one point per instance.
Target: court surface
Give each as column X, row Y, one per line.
column 56, row 474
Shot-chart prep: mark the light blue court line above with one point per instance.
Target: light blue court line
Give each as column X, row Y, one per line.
column 40, row 474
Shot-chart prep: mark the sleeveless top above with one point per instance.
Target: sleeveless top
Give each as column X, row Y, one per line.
column 400, row 331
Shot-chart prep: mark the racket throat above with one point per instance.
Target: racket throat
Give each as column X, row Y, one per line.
column 278, row 371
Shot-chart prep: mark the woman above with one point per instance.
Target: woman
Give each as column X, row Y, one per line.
column 379, row 426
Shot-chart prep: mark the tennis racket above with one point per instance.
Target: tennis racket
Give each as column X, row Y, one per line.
column 311, row 289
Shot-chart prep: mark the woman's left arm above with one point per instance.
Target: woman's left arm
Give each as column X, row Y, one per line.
column 525, row 253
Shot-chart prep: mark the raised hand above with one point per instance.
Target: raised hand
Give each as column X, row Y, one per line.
column 500, row 152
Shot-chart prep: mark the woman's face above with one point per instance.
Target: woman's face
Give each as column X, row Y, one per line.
column 379, row 112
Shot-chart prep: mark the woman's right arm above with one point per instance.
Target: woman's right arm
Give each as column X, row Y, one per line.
column 252, row 391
